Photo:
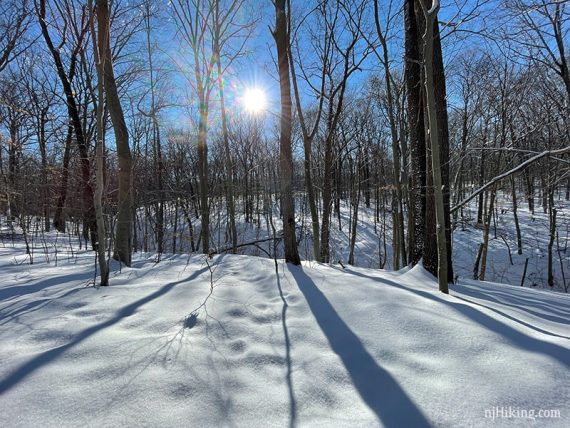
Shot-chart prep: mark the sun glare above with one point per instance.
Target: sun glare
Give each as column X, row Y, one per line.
column 254, row 100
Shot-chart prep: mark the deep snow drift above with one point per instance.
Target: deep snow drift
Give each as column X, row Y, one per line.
column 227, row 342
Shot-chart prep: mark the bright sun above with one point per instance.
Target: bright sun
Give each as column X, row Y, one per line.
column 254, row 100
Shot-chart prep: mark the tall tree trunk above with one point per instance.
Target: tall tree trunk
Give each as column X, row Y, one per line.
column 228, row 156
column 397, row 200
column 124, row 228
column 307, row 151
column 203, row 175
column 431, row 104
column 157, row 148
column 100, row 161
column 281, row 35
column 327, row 195
column 416, row 225
column 443, row 132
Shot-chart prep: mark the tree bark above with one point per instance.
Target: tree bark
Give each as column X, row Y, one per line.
column 443, row 132
column 431, row 104
column 124, row 228
column 416, row 225
column 99, row 161
column 281, row 36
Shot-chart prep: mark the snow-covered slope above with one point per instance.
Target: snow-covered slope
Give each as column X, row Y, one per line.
column 227, row 342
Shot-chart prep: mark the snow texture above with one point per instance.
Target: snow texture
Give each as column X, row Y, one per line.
column 226, row 342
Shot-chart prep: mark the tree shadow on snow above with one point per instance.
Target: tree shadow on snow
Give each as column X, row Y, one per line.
column 510, row 317
column 512, row 335
column 44, row 358
column 543, row 310
column 377, row 388
column 19, row 309
column 9, row 293
column 289, row 375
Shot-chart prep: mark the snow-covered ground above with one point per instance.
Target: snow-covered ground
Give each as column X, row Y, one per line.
column 370, row 236
column 535, row 237
column 222, row 342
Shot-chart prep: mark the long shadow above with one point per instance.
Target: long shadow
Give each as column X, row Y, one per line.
column 9, row 313
column 289, row 376
column 378, row 389
column 515, row 337
column 21, row 290
column 35, row 363
column 490, row 298
column 503, row 314
column 559, row 314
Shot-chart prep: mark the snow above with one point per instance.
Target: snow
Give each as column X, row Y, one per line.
column 535, row 237
column 369, row 247
column 192, row 341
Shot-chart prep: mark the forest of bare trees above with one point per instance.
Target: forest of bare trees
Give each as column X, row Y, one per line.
column 122, row 125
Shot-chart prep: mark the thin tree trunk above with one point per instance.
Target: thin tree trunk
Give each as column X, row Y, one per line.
column 443, row 132
column 552, row 235
column 398, row 226
column 354, row 223
column 481, row 182
column 43, row 154
column 203, row 175
column 157, row 149
column 228, row 156
column 99, row 162
column 516, row 216
column 58, row 218
column 486, row 231
column 327, row 200
column 431, row 104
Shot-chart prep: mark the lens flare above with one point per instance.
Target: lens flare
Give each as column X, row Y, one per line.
column 254, row 100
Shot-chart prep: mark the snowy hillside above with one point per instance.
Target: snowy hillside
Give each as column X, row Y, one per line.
column 373, row 243
column 227, row 342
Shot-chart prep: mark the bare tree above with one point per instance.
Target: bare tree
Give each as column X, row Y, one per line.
column 281, row 36
column 207, row 27
column 428, row 55
column 15, row 18
column 72, row 107
column 399, row 250
column 123, row 233
column 542, row 32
